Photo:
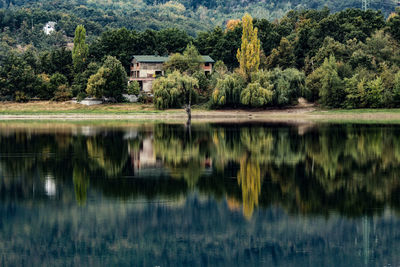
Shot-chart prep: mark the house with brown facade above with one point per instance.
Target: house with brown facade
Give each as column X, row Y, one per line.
column 145, row 69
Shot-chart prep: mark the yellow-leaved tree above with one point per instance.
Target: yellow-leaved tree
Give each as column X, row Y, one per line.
column 249, row 53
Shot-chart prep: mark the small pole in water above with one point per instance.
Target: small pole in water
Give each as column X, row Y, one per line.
column 188, row 107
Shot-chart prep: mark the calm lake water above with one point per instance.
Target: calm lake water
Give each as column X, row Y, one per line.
column 250, row 194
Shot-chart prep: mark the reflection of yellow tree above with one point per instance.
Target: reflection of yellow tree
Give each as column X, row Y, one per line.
column 249, row 179
column 81, row 184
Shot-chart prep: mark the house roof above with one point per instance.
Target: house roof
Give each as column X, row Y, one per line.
column 158, row 59
column 150, row 59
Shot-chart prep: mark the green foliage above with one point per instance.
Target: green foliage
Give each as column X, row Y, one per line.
column 362, row 42
column 44, row 88
column 204, row 82
column 282, row 57
column 97, row 83
column 277, row 87
column 374, row 93
column 133, row 88
column 57, row 79
column 17, row 75
column 254, row 95
column 81, row 49
column 326, row 77
column 228, row 91
column 62, row 93
column 382, row 48
column 110, row 81
column 81, row 79
column 313, row 85
column 21, row 97
column 393, row 25
column 220, row 45
column 174, row 91
column 330, row 47
column 288, row 85
column 81, row 96
column 355, row 92
column 189, row 62
column 48, row 87
column 123, row 43
column 396, row 90
column 220, row 67
column 56, row 60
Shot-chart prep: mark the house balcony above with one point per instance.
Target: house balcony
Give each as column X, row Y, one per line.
column 142, row 78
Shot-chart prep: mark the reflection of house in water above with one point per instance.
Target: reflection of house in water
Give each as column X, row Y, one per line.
column 146, row 163
column 86, row 130
column 144, row 159
column 50, row 186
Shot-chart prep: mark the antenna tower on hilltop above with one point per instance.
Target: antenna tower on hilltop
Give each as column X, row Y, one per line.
column 365, row 4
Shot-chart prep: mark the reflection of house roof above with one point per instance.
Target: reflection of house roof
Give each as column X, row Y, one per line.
column 158, row 59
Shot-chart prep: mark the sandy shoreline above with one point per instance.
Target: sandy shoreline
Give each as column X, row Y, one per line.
column 293, row 115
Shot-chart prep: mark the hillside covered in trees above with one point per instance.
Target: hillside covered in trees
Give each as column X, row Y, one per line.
column 189, row 15
column 349, row 58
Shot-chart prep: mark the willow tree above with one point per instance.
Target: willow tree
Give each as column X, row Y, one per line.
column 249, row 53
column 174, row 91
column 81, row 49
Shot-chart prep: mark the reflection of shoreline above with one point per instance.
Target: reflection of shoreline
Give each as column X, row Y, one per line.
column 307, row 169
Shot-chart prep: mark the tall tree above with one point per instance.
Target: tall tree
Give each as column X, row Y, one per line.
column 188, row 63
column 249, row 53
column 332, row 91
column 110, row 81
column 81, row 49
column 393, row 25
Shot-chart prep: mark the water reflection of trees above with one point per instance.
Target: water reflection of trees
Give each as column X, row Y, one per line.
column 249, row 180
column 351, row 169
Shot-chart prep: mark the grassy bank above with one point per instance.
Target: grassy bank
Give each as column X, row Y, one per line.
column 357, row 111
column 47, row 110
column 50, row 107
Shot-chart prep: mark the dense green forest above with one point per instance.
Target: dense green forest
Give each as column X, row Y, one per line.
column 349, row 58
column 23, row 20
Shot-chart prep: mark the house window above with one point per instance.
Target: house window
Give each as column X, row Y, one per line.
column 207, row 64
column 137, row 65
column 158, row 73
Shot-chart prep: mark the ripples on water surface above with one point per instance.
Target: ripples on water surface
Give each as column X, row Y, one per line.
column 213, row 194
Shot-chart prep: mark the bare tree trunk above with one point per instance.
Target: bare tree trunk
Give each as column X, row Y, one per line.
column 188, row 108
column 189, row 112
